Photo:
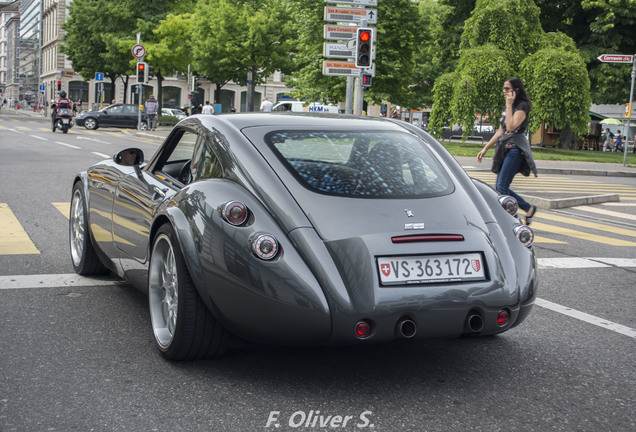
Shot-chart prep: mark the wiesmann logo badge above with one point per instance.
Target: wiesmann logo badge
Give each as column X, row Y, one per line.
column 412, row 226
column 409, row 213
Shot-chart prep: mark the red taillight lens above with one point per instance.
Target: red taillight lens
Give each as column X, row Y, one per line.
column 362, row 329
column 234, row 212
column 503, row 317
column 509, row 204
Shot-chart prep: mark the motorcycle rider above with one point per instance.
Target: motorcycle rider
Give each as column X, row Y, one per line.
column 61, row 102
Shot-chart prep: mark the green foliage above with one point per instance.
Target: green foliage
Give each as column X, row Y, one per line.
column 442, row 97
column 511, row 25
column 558, row 85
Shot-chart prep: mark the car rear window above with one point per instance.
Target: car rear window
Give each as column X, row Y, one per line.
column 370, row 164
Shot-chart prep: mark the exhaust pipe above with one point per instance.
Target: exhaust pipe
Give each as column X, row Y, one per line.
column 406, row 328
column 475, row 323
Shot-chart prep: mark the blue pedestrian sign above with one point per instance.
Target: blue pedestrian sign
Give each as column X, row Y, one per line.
column 42, row 87
column 99, row 76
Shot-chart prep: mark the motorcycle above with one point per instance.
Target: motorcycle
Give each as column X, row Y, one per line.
column 63, row 119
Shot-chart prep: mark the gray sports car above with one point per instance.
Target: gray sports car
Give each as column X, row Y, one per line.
column 303, row 229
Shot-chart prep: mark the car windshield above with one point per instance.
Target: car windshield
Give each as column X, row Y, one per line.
column 370, row 164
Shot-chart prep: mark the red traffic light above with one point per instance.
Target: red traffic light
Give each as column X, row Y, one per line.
column 365, row 36
column 141, row 66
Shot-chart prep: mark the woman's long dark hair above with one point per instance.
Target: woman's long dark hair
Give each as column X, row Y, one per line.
column 520, row 91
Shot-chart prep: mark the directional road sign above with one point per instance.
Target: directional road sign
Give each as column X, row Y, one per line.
column 335, row 32
column 99, row 76
column 355, row 2
column 335, row 14
column 339, row 68
column 337, row 50
column 616, row 58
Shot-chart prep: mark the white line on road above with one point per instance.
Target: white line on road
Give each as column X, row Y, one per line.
column 38, row 137
column 605, row 212
column 591, row 319
column 54, row 281
column 92, row 139
column 101, row 155
column 67, row 145
column 16, row 131
column 575, row 263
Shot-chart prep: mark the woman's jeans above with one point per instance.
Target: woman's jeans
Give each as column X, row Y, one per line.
column 510, row 167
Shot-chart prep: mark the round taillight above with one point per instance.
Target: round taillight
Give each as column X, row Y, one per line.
column 362, row 329
column 234, row 212
column 509, row 204
column 524, row 234
column 265, row 246
column 503, row 317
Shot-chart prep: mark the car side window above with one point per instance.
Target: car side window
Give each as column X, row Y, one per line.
column 176, row 165
column 208, row 165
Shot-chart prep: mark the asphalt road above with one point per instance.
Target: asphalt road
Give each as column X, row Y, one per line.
column 78, row 355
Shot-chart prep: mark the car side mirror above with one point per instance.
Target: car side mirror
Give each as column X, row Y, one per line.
column 129, row 157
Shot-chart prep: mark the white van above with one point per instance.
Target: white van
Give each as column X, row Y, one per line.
column 299, row 106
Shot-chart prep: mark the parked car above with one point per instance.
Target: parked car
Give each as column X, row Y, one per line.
column 304, row 229
column 174, row 112
column 116, row 115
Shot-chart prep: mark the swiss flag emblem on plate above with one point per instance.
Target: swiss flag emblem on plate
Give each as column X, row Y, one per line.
column 476, row 265
column 386, row 269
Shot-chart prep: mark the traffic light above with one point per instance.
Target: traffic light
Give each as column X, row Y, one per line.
column 366, row 79
column 364, row 43
column 59, row 85
column 195, row 83
column 141, row 73
column 151, row 72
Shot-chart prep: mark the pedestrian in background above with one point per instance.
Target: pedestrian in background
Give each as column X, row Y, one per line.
column 207, row 109
column 618, row 142
column 512, row 151
column 266, row 106
column 151, row 110
column 608, row 140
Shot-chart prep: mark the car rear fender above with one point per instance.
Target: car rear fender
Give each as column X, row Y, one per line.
column 277, row 301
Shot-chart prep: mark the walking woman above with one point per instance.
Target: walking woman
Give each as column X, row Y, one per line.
column 512, row 151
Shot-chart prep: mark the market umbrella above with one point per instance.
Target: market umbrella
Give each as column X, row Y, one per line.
column 611, row 121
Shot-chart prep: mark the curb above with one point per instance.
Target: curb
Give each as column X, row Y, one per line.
column 547, row 204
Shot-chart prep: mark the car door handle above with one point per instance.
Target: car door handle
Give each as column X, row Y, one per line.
column 97, row 183
column 158, row 194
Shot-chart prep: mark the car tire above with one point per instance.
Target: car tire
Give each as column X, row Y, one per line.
column 144, row 125
column 183, row 328
column 90, row 123
column 83, row 254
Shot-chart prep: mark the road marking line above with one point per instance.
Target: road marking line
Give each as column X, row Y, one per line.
column 581, row 235
column 67, row 145
column 618, row 204
column 38, row 137
column 604, row 212
column 591, row 319
column 55, row 281
column 14, row 240
column 101, row 155
column 63, row 207
column 576, row 262
column 593, row 225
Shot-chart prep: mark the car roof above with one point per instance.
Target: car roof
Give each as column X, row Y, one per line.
column 302, row 120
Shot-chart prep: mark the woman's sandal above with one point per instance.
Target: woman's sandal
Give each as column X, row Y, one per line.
column 530, row 214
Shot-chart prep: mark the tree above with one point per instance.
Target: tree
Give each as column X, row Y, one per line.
column 501, row 39
column 598, row 27
column 232, row 39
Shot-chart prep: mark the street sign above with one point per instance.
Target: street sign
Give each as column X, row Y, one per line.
column 335, row 14
column 42, row 87
column 616, row 58
column 99, row 76
column 339, row 69
column 337, row 50
column 138, row 51
column 335, row 32
column 355, row 2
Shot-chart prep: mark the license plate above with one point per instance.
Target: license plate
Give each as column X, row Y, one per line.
column 427, row 269
column 65, row 121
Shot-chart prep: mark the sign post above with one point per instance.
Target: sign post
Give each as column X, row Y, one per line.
column 624, row 58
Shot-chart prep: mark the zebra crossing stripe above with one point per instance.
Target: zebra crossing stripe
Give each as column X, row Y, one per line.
column 14, row 240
